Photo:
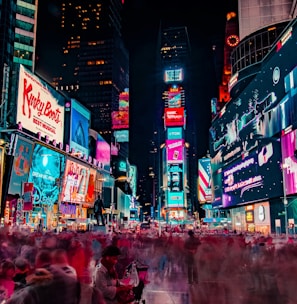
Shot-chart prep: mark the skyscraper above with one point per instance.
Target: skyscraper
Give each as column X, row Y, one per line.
column 94, row 63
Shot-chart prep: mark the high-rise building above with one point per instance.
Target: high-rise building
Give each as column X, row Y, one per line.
column 177, row 176
column 94, row 61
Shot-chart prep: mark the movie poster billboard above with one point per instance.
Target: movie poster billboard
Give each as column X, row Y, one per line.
column 79, row 128
column 175, row 150
column 75, row 182
column 22, row 152
column 40, row 107
column 46, row 169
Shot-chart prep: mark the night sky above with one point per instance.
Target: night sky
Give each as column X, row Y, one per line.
column 205, row 21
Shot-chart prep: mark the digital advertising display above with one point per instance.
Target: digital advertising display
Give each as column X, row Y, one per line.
column 173, row 75
column 75, row 182
column 124, row 101
column 265, row 107
column 91, row 195
column 103, row 152
column 120, row 119
column 40, row 108
column 256, row 177
column 21, row 164
column 175, row 150
column 175, row 177
column 174, row 133
column 175, row 199
column 289, row 155
column 174, row 99
column 121, row 136
column 204, row 180
column 79, row 128
column 47, row 168
column 174, row 117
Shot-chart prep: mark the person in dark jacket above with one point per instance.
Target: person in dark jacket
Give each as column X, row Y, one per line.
column 98, row 210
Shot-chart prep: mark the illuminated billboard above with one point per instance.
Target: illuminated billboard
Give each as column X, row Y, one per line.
column 45, row 173
column 103, row 152
column 175, row 150
column 289, row 159
column 22, row 152
column 175, row 177
column 174, row 133
column 256, row 177
column 120, row 119
column 173, row 75
column 79, row 128
column 121, row 136
column 174, row 117
column 175, row 199
column 91, row 195
column 174, row 99
column 75, row 182
column 40, row 108
column 204, row 180
column 124, row 101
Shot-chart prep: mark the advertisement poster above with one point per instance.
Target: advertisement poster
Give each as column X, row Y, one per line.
column 175, row 150
column 47, row 167
column 90, row 196
column 75, row 182
column 174, row 117
column 28, row 190
column 120, row 119
column 103, row 152
column 40, row 107
column 79, row 129
column 21, row 165
column 204, row 180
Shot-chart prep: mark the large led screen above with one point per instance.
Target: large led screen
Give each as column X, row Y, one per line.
column 266, row 106
column 175, row 150
column 79, row 128
column 75, row 182
column 175, row 177
column 91, row 195
column 175, row 199
column 174, row 117
column 254, row 178
column 40, row 107
column 21, row 164
column 174, row 75
column 45, row 174
column 204, row 180
column 289, row 154
column 174, row 99
column 120, row 119
column 175, row 133
column 103, row 152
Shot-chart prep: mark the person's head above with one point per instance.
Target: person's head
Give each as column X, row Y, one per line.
column 59, row 256
column 191, row 233
column 110, row 254
column 22, row 265
column 7, row 269
column 43, row 258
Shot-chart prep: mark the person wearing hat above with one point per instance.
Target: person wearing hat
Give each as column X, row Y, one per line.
column 106, row 277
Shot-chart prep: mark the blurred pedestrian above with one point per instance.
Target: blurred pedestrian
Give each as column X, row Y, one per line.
column 7, row 284
column 191, row 246
column 106, row 277
column 98, row 211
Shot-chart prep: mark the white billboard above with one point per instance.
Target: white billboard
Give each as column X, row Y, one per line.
column 40, row 108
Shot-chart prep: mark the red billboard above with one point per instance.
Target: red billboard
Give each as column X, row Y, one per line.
column 174, row 117
column 120, row 119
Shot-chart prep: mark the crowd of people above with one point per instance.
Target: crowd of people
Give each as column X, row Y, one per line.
column 91, row 267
